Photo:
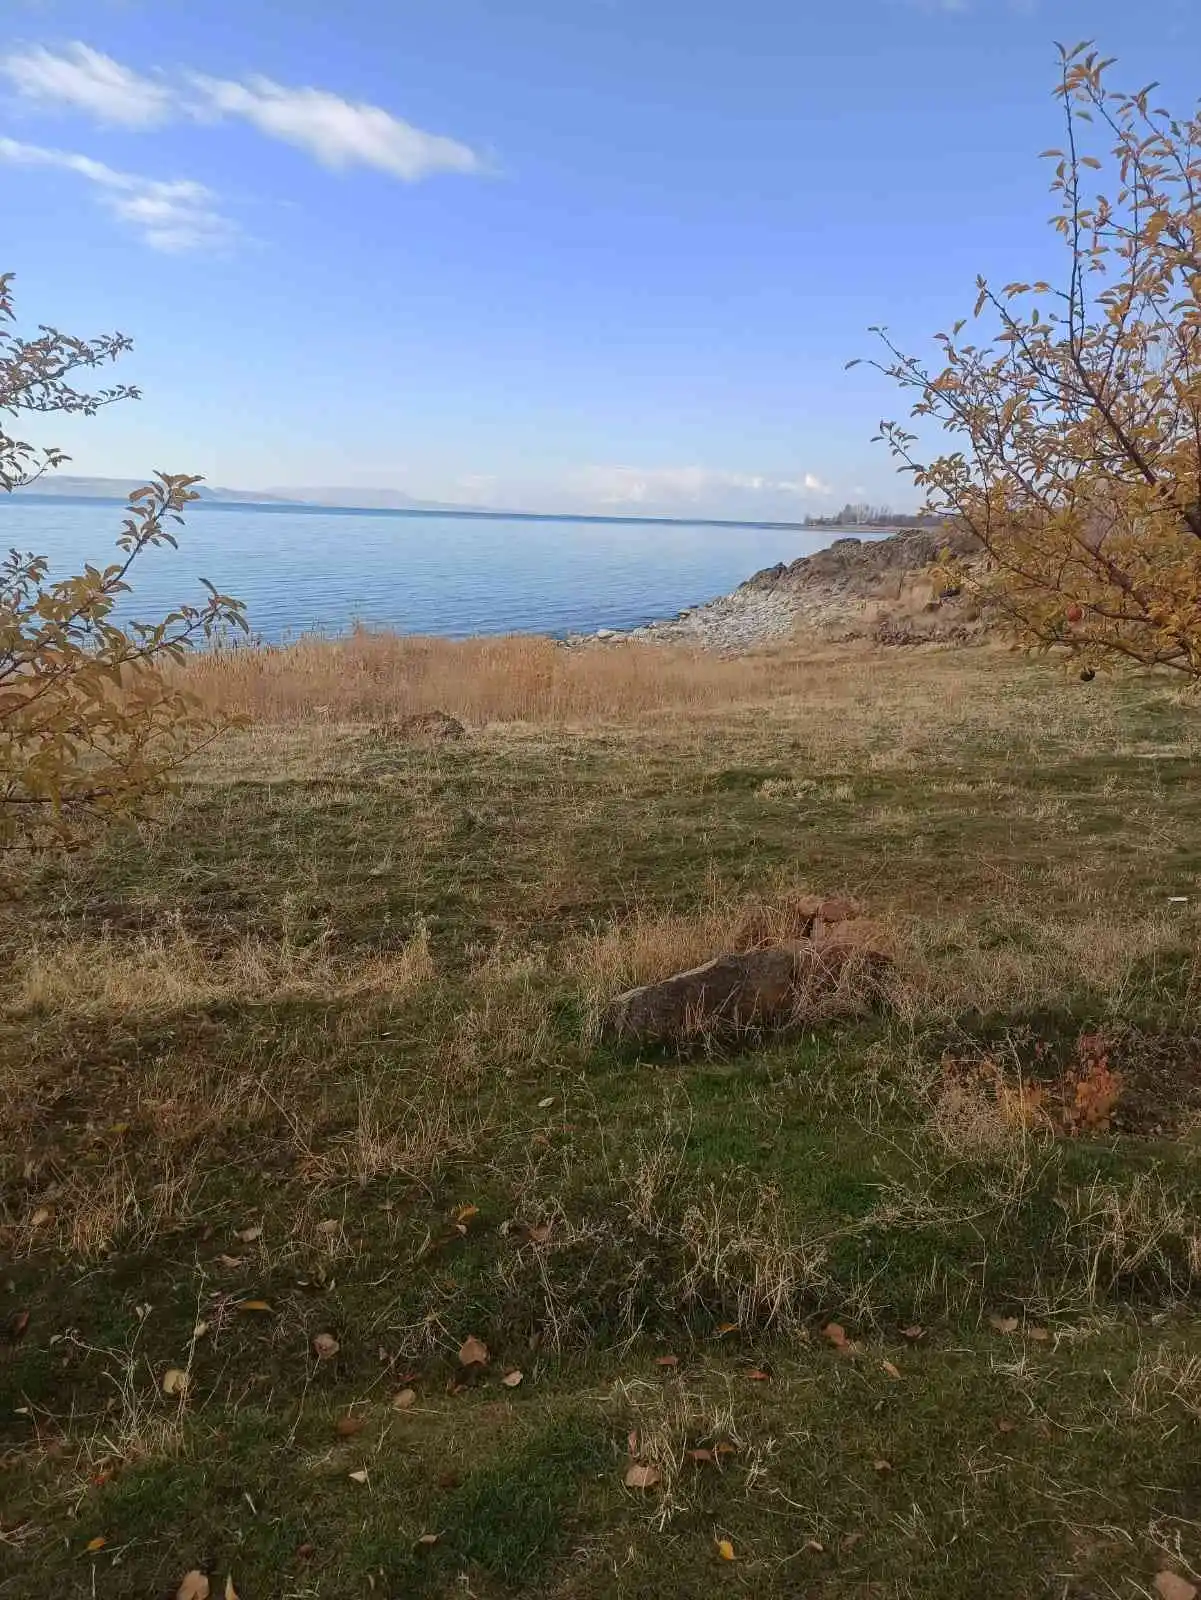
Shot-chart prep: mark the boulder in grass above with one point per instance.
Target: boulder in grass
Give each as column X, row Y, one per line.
column 782, row 985
column 436, row 725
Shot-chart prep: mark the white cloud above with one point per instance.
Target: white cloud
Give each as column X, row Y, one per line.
column 173, row 216
column 339, row 133
column 639, row 486
column 86, row 80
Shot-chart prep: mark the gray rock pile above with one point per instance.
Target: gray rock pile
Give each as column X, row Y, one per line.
column 875, row 589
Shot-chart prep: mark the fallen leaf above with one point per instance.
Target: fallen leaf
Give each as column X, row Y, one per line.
column 1004, row 1324
column 230, row 1592
column 915, row 1332
column 306, row 1551
column 325, row 1346
column 1042, row 1335
column 725, row 1327
column 358, row 1477
column 699, row 1455
column 814, row 1547
column 328, row 1225
column 465, row 1213
column 473, row 1352
column 253, row 1305
column 667, row 1361
column 512, row 1379
column 347, row 1427
column 880, row 1465
column 639, row 1476
column 428, row 1539
column 249, row 1235
column 1005, row 1426
column 892, row 1370
column 725, row 1549
column 540, row 1234
column 230, row 1261
column 195, row 1586
column 757, row 1375
column 40, row 1217
column 403, row 1400
column 549, row 1101
column 1171, row 1586
column 727, row 1450
column 98, row 1543
column 850, row 1540
column 175, row 1381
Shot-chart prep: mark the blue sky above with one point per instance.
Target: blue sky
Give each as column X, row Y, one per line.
column 577, row 254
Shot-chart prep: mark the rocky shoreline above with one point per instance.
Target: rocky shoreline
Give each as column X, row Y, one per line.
column 876, row 589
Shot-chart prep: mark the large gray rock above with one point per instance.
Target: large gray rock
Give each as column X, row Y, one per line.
column 779, row 985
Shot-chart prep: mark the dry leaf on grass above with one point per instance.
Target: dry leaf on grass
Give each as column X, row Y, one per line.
column 195, row 1586
column 880, row 1465
column 699, row 1455
column 1042, row 1335
column 1005, row 1426
column 667, row 1361
column 98, row 1543
column 325, row 1346
column 464, row 1214
column 1171, row 1586
column 230, row 1261
column 914, row 1332
column 254, row 1305
column 837, row 1335
column 549, row 1100
column 473, row 1352
column 1004, row 1324
column 428, row 1539
column 347, row 1427
column 724, row 1549
column 814, row 1547
column 723, row 1328
column 641, row 1476
column 358, row 1477
column 403, row 1400
column 249, row 1235
column 757, row 1375
column 40, row 1217
column 512, row 1379
column 892, row 1370
column 328, row 1225
column 175, row 1381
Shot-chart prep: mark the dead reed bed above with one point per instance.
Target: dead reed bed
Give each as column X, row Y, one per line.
column 377, row 676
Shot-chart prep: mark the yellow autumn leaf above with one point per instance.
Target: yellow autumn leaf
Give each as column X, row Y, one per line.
column 725, row 1549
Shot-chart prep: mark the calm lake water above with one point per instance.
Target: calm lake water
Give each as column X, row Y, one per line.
column 323, row 570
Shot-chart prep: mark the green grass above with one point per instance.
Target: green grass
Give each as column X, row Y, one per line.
column 447, row 1152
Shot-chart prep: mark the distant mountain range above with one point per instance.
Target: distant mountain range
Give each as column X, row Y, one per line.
column 368, row 499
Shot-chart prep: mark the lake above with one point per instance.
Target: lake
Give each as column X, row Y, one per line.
column 323, row 570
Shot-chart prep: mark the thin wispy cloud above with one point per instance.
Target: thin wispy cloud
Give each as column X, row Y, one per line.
column 173, row 215
column 337, row 132
column 82, row 79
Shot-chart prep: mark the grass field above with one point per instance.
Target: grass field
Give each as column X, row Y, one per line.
column 303, row 1090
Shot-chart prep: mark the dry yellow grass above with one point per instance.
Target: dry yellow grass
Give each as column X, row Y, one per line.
column 370, row 676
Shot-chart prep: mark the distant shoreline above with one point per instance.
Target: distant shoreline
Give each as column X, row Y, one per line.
column 313, row 508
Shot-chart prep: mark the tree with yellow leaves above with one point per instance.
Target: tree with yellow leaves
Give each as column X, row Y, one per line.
column 1076, row 416
column 90, row 727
